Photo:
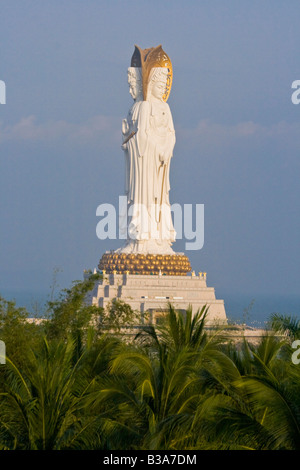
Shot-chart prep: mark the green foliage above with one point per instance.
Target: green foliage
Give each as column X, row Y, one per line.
column 42, row 405
column 186, row 329
column 70, row 314
column 18, row 334
column 286, row 325
column 117, row 316
column 88, row 378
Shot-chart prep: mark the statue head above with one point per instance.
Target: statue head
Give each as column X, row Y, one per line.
column 134, row 75
column 149, row 59
column 157, row 84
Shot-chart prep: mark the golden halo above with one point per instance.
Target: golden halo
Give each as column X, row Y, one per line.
column 149, row 58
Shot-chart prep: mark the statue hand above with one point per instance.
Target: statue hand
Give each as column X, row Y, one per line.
column 125, row 126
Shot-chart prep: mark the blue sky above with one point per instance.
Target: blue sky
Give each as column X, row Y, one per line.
column 238, row 134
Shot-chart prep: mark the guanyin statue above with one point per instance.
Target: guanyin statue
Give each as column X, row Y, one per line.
column 148, row 140
column 148, row 143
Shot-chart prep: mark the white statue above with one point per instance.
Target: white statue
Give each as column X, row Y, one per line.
column 129, row 127
column 148, row 142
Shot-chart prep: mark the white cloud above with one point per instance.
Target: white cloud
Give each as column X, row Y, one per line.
column 222, row 134
column 106, row 130
column 28, row 129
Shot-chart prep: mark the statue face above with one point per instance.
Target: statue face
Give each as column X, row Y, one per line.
column 158, row 89
column 132, row 86
column 135, row 86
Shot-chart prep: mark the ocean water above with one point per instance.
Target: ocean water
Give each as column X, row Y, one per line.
column 254, row 310
column 33, row 301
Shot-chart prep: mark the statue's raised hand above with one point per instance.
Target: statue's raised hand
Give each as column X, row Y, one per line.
column 125, row 127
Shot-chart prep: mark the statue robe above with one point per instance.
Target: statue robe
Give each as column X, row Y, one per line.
column 147, row 185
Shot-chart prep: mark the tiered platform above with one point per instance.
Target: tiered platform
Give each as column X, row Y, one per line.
column 151, row 293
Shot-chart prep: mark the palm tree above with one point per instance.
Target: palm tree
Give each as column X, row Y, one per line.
column 178, row 386
column 286, row 325
column 47, row 406
column 146, row 391
column 183, row 329
column 154, row 385
column 262, row 411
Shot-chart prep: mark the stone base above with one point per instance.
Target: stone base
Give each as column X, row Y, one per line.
column 151, row 293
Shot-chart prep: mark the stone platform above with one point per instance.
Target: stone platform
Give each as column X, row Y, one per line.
column 151, row 293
